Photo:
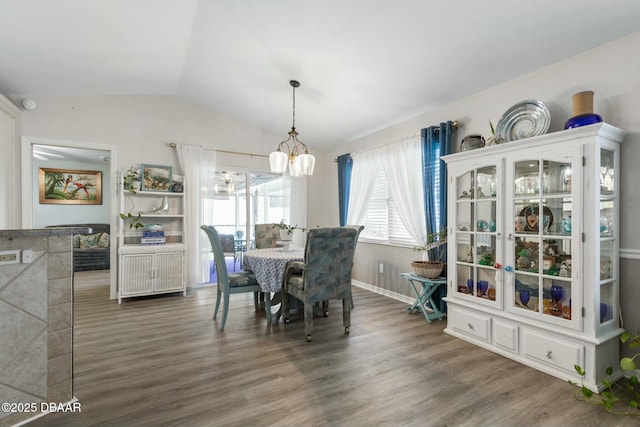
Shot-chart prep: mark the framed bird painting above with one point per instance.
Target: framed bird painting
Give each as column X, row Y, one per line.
column 69, row 186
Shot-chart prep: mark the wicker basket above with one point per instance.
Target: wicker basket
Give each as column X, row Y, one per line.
column 428, row 269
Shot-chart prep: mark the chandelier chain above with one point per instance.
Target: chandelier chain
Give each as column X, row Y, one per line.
column 293, row 125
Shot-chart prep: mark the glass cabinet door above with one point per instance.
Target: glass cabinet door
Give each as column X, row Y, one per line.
column 541, row 238
column 476, row 234
column 607, row 228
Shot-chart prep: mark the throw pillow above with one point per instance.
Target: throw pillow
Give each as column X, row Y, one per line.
column 90, row 240
column 104, row 240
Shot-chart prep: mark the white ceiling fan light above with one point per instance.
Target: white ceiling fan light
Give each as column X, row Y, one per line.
column 29, row 104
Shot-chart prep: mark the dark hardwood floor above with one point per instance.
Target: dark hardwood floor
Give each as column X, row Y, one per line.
column 162, row 361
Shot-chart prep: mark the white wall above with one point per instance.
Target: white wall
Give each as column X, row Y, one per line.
column 141, row 127
column 611, row 71
column 9, row 172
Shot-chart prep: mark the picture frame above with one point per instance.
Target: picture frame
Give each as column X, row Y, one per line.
column 156, row 178
column 69, row 186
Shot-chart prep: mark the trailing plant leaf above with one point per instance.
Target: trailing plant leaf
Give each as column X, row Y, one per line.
column 133, row 221
column 627, row 364
column 622, row 397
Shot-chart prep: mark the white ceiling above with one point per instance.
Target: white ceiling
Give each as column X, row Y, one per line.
column 362, row 64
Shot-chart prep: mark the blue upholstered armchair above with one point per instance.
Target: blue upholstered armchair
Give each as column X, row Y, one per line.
column 324, row 274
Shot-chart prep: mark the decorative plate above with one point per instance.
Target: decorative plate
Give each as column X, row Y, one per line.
column 523, row 120
column 531, row 216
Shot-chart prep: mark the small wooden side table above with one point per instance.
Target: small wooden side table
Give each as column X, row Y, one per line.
column 424, row 297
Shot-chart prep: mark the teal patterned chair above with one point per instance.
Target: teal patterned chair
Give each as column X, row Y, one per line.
column 266, row 236
column 242, row 281
column 358, row 228
column 324, row 274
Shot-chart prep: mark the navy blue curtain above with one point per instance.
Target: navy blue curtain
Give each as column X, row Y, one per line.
column 344, row 182
column 436, row 142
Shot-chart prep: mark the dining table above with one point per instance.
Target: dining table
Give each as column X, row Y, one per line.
column 269, row 266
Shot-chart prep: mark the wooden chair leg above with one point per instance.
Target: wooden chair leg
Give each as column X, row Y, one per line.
column 285, row 307
column 225, row 310
column 308, row 320
column 215, row 311
column 346, row 314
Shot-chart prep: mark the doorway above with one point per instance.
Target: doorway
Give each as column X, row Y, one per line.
column 241, row 200
column 35, row 151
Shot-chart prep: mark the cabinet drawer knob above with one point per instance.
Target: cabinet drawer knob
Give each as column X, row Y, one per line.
column 470, row 326
column 549, row 355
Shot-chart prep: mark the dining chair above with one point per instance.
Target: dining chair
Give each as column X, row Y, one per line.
column 324, row 274
column 266, row 236
column 228, row 242
column 358, row 228
column 235, row 283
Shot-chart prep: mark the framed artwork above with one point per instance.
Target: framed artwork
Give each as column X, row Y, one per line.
column 156, row 178
column 69, row 186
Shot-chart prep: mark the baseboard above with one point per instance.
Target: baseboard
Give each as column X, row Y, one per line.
column 385, row 292
column 201, row 285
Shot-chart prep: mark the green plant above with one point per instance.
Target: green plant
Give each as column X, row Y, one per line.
column 493, row 140
column 622, row 397
column 128, row 179
column 132, row 220
column 289, row 228
column 432, row 243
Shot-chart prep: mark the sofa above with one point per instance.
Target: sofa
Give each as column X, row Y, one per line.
column 91, row 251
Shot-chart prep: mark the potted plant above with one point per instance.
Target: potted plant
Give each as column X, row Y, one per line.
column 286, row 231
column 432, row 266
column 131, row 182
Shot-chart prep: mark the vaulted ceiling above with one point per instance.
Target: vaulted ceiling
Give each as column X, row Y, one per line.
column 362, row 64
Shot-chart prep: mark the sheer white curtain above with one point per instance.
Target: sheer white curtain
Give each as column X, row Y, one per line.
column 363, row 176
column 198, row 166
column 401, row 161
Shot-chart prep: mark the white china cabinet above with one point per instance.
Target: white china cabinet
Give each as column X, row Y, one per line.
column 151, row 269
column 533, row 250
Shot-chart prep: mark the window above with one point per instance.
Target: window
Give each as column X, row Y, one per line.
column 382, row 223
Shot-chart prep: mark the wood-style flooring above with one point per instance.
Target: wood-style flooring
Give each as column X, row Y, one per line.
column 162, row 361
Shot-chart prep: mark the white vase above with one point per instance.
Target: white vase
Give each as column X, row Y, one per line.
column 286, row 236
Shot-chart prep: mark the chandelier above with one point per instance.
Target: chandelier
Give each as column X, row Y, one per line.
column 296, row 153
column 226, row 186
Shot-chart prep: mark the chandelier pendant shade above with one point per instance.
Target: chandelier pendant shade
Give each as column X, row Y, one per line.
column 292, row 151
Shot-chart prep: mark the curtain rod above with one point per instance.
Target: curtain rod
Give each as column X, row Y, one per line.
column 174, row 145
column 456, row 124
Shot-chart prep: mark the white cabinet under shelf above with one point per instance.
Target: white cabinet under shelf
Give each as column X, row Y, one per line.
column 533, row 250
column 147, row 270
column 151, row 269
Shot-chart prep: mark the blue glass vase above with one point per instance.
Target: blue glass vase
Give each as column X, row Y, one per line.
column 582, row 120
column 556, row 293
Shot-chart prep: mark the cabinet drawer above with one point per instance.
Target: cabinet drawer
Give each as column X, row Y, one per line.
column 552, row 351
column 505, row 335
column 473, row 324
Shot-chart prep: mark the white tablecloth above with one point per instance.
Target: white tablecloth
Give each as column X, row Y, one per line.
column 268, row 265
